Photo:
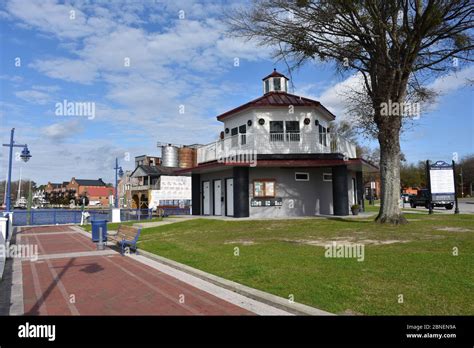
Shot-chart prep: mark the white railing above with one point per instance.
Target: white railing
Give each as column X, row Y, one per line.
column 280, row 136
column 144, row 187
column 276, row 143
column 277, row 137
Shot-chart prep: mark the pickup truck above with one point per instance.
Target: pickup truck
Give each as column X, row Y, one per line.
column 422, row 199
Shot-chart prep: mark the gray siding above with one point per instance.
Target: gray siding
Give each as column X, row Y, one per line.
column 300, row 198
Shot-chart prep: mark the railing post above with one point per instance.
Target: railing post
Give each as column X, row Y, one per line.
column 54, row 217
column 215, row 150
column 32, row 218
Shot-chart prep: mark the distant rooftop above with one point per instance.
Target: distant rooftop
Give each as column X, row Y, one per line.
column 90, row 182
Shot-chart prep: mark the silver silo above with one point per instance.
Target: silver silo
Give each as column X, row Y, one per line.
column 169, row 156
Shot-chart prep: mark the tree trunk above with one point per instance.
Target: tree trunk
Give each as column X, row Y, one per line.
column 389, row 140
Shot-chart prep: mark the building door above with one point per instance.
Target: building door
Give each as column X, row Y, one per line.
column 229, row 196
column 206, row 198
column 217, row 197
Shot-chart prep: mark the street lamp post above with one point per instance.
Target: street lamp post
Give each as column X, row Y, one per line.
column 25, row 156
column 118, row 173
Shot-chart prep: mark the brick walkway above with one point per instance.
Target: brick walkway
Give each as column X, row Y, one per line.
column 71, row 277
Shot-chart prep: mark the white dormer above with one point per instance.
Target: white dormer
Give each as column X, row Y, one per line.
column 275, row 82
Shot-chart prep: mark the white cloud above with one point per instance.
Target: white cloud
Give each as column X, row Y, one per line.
column 334, row 96
column 13, row 79
column 452, row 81
column 46, row 88
column 67, row 69
column 38, row 94
column 50, row 17
column 59, row 131
column 34, row 96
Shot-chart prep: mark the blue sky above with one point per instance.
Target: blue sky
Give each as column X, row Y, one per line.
column 173, row 62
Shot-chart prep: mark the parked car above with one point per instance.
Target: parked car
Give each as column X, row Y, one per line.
column 405, row 197
column 422, row 199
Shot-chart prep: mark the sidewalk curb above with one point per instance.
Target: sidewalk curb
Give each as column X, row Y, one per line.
column 264, row 297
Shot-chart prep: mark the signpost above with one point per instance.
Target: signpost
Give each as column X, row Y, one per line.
column 441, row 183
column 371, row 196
column 266, row 202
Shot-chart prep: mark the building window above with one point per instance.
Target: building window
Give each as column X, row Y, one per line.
column 327, row 176
column 234, row 137
column 277, row 84
column 264, row 188
column 243, row 135
column 292, row 129
column 301, row 176
column 323, row 135
column 267, row 86
column 276, row 131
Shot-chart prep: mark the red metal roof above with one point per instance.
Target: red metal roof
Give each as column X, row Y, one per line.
column 275, row 73
column 275, row 99
column 100, row 191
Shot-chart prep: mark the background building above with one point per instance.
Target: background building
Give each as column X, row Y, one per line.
column 124, row 190
column 97, row 192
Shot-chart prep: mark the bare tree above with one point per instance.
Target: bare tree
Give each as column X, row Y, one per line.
column 394, row 45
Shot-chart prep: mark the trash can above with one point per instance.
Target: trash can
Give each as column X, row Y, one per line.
column 97, row 225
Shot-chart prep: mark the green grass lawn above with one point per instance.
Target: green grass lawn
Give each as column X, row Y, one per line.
column 280, row 257
column 112, row 226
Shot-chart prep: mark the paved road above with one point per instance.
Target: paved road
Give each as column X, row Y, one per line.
column 72, row 277
column 466, row 206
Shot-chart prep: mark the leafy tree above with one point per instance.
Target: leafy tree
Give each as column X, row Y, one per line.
column 466, row 168
column 393, row 45
column 413, row 175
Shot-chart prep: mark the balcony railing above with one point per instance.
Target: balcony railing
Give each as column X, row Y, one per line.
column 276, row 143
column 294, row 136
column 137, row 187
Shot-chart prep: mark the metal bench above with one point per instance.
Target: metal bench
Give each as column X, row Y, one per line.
column 126, row 236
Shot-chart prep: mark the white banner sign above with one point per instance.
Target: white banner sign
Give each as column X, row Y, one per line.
column 171, row 188
column 442, row 181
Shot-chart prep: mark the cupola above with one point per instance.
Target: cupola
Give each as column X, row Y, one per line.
column 275, row 82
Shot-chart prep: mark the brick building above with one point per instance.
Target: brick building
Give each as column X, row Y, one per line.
column 81, row 186
column 96, row 190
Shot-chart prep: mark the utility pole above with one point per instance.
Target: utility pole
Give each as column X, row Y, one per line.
column 25, row 156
